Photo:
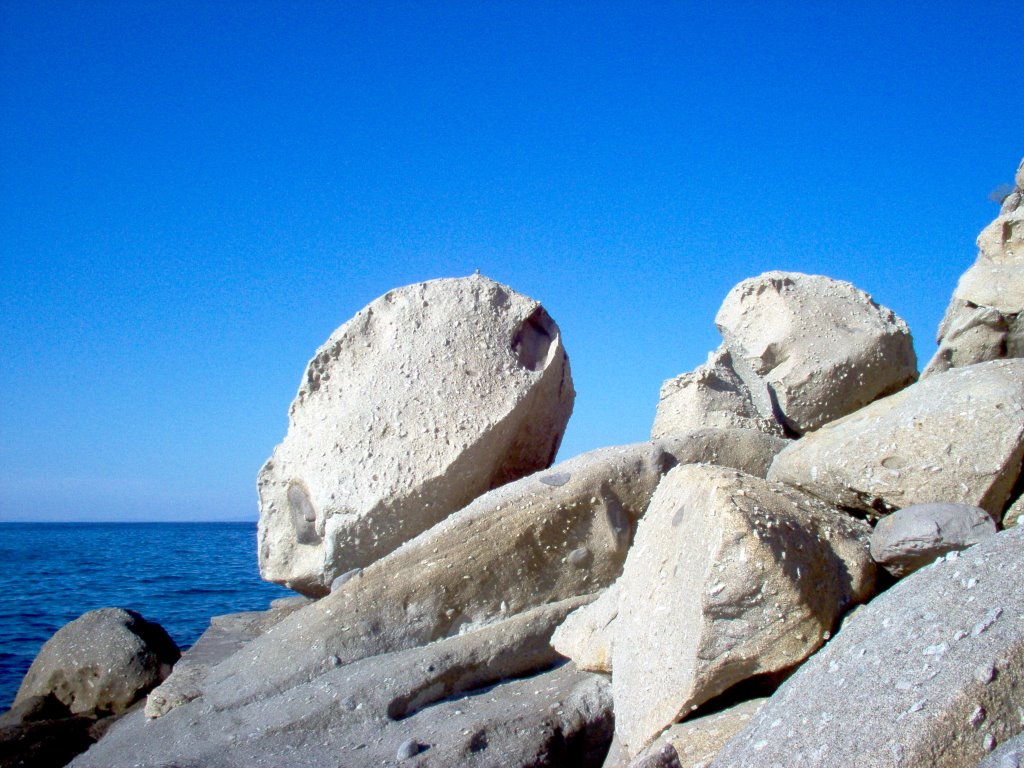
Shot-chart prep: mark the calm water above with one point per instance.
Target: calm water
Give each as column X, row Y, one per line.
column 177, row 574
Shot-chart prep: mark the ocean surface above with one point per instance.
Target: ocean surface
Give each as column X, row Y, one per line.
column 177, row 574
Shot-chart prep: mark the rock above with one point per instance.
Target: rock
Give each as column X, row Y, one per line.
column 226, row 635
column 814, row 348
column 41, row 731
column 711, row 396
column 744, row 449
column 730, row 577
column 586, row 634
column 697, row 742
column 1012, row 516
column 954, row 437
column 913, row 537
column 100, row 663
column 430, row 396
column 454, row 699
column 983, row 320
column 1009, row 755
column 929, row 673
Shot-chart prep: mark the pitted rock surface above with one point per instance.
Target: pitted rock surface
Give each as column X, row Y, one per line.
column 430, row 396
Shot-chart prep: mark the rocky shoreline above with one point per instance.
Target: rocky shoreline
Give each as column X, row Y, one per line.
column 814, row 561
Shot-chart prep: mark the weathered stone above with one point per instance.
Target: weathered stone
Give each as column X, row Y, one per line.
column 815, row 348
column 453, row 698
column 1012, row 516
column 225, row 635
column 730, row 577
column 927, row 675
column 711, row 396
column 745, row 449
column 984, row 318
column 586, row 634
column 430, row 396
column 913, row 537
column 697, row 742
column 955, row 437
column 41, row 731
column 1008, row 755
column 101, row 662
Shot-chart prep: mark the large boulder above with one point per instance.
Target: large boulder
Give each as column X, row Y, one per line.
column 100, row 663
column 915, row 536
column 984, row 318
column 467, row 700
column 927, row 675
column 954, row 437
column 730, row 577
column 814, row 348
column 430, row 396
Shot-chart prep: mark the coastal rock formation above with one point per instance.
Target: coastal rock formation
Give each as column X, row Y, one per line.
column 430, row 396
column 100, row 663
column 730, row 577
column 983, row 320
column 913, row 537
column 954, row 437
column 927, row 675
column 587, row 633
column 815, row 348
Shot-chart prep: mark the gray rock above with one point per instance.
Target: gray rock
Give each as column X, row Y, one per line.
column 1013, row 513
column 954, row 437
column 730, row 577
column 813, row 348
column 1008, row 755
column 696, row 742
column 453, row 698
column 984, row 318
column 587, row 633
column 927, row 674
column 913, row 537
column 100, row 663
column 430, row 396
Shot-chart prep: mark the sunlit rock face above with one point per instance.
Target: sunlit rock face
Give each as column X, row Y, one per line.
column 430, row 396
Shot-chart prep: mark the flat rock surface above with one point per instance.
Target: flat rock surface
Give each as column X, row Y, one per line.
column 928, row 674
column 698, row 741
column 954, row 437
column 430, row 396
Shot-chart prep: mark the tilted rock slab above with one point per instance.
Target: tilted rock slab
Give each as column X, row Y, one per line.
column 983, row 320
column 927, row 675
column 698, row 741
column 434, row 704
column 730, row 577
column 713, row 395
column 815, row 348
column 430, row 396
column 100, row 663
column 956, row 437
column 915, row 536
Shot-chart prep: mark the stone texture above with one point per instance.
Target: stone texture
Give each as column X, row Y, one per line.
column 927, row 675
column 983, row 320
column 697, row 742
column 813, row 348
column 730, row 577
column 711, row 396
column 1008, row 755
column 1012, row 516
column 430, row 396
column 954, row 437
column 100, row 663
column 586, row 634
column 454, row 698
column 913, row 537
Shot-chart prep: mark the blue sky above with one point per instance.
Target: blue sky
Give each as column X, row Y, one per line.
column 194, row 195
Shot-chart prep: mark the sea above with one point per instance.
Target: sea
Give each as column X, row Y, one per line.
column 176, row 574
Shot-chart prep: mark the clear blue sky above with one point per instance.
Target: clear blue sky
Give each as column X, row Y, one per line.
column 194, row 195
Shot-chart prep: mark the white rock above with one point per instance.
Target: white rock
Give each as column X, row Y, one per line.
column 586, row 634
column 430, row 396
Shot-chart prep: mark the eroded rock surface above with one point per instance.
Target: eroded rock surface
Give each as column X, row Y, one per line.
column 983, row 320
column 730, row 577
column 586, row 634
column 430, row 396
column 927, row 675
column 954, row 437
column 813, row 348
column 698, row 741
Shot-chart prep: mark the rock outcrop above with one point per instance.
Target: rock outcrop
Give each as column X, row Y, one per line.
column 695, row 743
column 916, row 536
column 983, row 320
column 730, row 577
column 100, row 663
column 430, row 396
column 587, row 634
column 927, row 675
column 955, row 437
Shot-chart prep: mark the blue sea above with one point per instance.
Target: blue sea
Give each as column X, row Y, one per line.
column 177, row 574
